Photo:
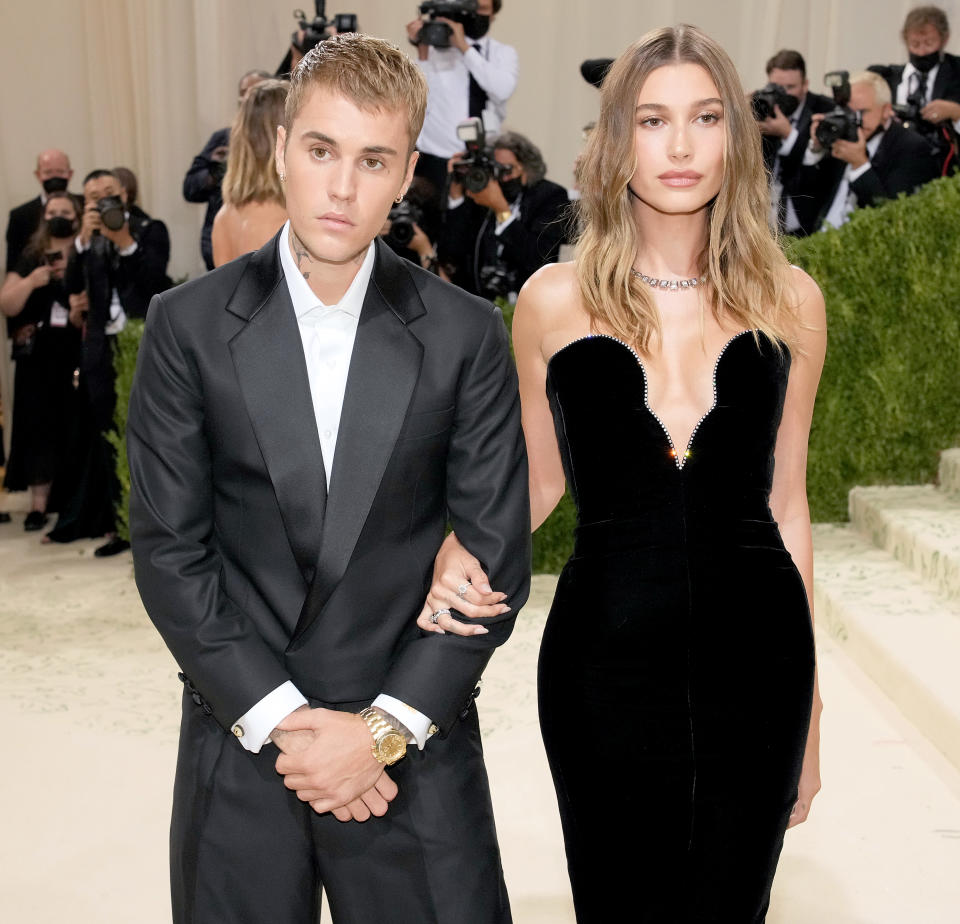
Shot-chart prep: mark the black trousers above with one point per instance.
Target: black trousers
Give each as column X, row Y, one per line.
column 245, row 850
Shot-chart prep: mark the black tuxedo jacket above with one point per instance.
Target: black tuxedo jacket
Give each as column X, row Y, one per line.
column 946, row 86
column 529, row 242
column 253, row 573
column 24, row 220
column 902, row 162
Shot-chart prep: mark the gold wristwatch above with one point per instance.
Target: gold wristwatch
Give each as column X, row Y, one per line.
column 503, row 216
column 389, row 745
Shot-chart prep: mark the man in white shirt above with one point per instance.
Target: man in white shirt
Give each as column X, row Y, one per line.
column 304, row 423
column 474, row 76
column 885, row 160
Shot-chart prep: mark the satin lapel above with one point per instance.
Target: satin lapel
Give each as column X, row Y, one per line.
column 272, row 372
column 383, row 373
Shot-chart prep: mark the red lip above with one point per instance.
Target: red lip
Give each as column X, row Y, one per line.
column 680, row 175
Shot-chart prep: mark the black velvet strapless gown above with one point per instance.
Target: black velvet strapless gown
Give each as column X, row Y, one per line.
column 676, row 671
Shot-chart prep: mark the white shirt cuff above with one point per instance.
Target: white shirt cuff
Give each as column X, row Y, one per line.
column 253, row 728
column 787, row 145
column 128, row 250
column 81, row 247
column 859, row 172
column 811, row 157
column 415, row 722
column 956, row 126
column 455, row 203
column 500, row 227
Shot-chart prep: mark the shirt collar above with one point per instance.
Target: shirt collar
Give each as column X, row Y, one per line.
column 909, row 70
column 303, row 298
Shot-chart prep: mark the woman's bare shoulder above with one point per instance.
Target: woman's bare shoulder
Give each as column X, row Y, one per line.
column 550, row 308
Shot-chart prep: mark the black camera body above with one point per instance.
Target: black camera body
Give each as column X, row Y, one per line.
column 402, row 218
column 478, row 167
column 436, row 33
column 763, row 101
column 113, row 212
column 497, row 280
column 841, row 123
column 320, row 28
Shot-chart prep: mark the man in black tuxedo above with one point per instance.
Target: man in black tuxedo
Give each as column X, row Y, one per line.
column 515, row 224
column 304, row 423
column 929, row 82
column 885, row 160
column 203, row 179
column 785, row 139
column 53, row 173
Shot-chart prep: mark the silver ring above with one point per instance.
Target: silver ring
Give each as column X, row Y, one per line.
column 462, row 589
column 435, row 618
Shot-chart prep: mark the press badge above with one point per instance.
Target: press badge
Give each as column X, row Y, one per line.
column 59, row 316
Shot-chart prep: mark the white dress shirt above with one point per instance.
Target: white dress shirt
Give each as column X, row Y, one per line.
column 911, row 78
column 495, row 67
column 328, row 333
column 844, row 201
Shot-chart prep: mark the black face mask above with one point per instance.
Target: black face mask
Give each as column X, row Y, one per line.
column 476, row 26
column 59, row 226
column 54, row 184
column 925, row 63
column 511, row 189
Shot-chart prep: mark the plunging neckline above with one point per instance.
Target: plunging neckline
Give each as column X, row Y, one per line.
column 679, row 459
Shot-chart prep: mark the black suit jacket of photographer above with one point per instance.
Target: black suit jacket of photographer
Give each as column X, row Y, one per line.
column 946, row 85
column 468, row 241
column 199, row 186
column 23, row 221
column 137, row 278
column 902, row 163
column 805, row 207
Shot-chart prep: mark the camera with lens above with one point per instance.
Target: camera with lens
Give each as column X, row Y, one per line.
column 321, row 28
column 112, row 211
column 841, row 123
column 402, row 218
column 438, row 33
column 763, row 102
column 478, row 166
column 497, row 280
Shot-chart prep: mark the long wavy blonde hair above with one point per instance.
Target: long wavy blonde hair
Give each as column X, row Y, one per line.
column 747, row 273
column 251, row 172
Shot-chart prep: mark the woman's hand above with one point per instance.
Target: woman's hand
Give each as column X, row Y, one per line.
column 459, row 583
column 809, row 774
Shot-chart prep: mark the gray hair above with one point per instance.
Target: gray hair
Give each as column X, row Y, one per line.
column 526, row 152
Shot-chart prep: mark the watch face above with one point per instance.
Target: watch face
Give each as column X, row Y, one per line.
column 391, row 747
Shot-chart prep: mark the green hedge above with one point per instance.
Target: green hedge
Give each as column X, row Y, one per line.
column 125, row 346
column 889, row 399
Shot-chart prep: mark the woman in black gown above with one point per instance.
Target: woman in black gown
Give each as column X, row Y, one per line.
column 667, row 378
column 46, row 347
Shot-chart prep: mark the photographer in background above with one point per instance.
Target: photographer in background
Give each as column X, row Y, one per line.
column 495, row 238
column 120, row 263
column 468, row 74
column 785, row 135
column 927, row 88
column 203, row 179
column 408, row 231
column 883, row 160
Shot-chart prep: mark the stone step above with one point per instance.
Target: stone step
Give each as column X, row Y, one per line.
column 919, row 525
column 950, row 471
column 901, row 633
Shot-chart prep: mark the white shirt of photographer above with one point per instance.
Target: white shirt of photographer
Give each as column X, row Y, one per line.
column 494, row 65
column 911, row 79
column 328, row 333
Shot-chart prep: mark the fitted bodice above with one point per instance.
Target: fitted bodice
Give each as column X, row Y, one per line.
column 619, row 459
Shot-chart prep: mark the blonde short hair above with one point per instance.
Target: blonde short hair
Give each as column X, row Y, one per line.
column 371, row 73
column 881, row 88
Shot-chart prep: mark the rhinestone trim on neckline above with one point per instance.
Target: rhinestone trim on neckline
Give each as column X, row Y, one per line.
column 669, row 285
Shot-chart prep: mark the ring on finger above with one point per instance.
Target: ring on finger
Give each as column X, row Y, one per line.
column 435, row 618
column 462, row 589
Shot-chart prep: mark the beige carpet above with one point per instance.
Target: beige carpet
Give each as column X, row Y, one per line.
column 89, row 708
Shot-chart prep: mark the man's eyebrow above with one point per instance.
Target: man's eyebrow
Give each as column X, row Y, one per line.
column 369, row 149
column 659, row 107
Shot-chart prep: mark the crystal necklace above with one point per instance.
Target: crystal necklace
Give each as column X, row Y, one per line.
column 671, row 285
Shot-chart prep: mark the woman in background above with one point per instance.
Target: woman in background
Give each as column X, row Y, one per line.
column 668, row 377
column 46, row 343
column 253, row 207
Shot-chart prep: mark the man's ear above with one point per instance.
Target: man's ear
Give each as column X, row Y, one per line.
column 280, row 151
column 411, row 166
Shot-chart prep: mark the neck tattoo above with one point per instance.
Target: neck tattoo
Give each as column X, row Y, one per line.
column 300, row 252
